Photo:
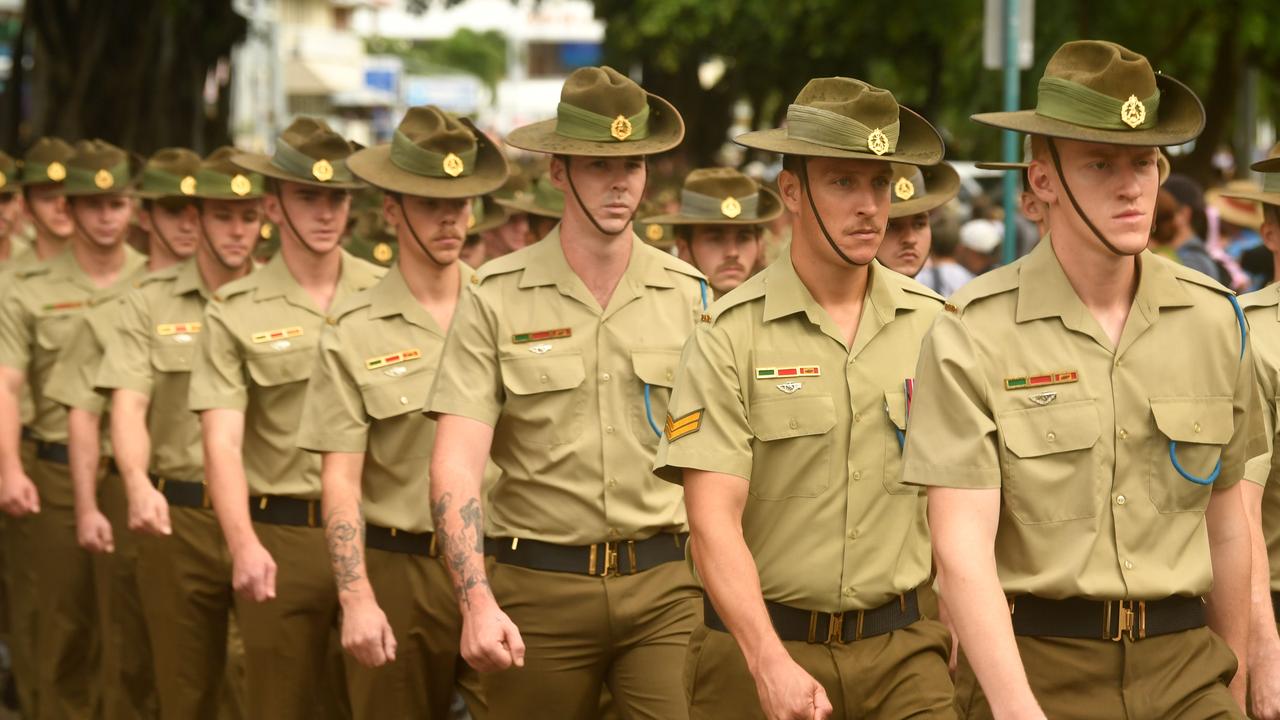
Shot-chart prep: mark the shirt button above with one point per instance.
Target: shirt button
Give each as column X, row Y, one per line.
column 608, row 429
column 613, row 483
column 1124, row 434
column 404, row 400
column 613, row 532
column 1128, row 565
column 543, row 379
column 1051, row 436
column 1196, row 427
column 606, row 377
column 857, row 475
column 857, row 417
column 669, row 375
column 854, row 534
column 794, row 423
column 1120, row 500
column 848, row 592
column 1119, row 362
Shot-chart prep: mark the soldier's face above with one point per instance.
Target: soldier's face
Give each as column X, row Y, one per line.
column 103, row 219
column 177, row 221
column 318, row 214
column 440, row 225
column 507, row 237
column 726, row 254
column 232, row 228
column 48, row 207
column 1115, row 185
column 853, row 199
column 10, row 211
column 610, row 188
column 906, row 244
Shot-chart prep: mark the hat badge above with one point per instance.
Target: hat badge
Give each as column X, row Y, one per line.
column 471, row 221
column 322, row 170
column 264, row 232
column 904, row 189
column 104, row 179
column 453, row 165
column 620, row 128
column 240, row 185
column 653, row 232
column 1133, row 112
column 382, row 252
column 730, row 207
column 878, row 142
column 188, row 185
column 56, row 172
column 4, row 179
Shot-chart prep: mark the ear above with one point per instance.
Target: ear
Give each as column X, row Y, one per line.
column 145, row 221
column 391, row 210
column 1270, row 232
column 1043, row 178
column 271, row 206
column 790, row 190
column 556, row 173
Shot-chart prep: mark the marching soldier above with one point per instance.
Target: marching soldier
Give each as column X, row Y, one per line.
column 1082, row 420
column 719, row 224
column 40, row 313
column 13, row 247
column 183, row 565
column 785, row 429
column 542, row 206
column 378, row 358
column 560, row 360
column 257, row 349
column 916, row 192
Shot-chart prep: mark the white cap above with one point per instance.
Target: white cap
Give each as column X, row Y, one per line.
column 981, row 236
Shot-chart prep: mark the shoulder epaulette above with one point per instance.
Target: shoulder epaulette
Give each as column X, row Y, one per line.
column 752, row 289
column 917, row 288
column 1266, row 297
column 362, row 299
column 167, row 274
column 675, row 264
column 997, row 282
column 1195, row 277
column 239, row 286
column 508, row 263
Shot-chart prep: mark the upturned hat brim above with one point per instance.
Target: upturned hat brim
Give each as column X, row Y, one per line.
column 1002, row 165
column 941, row 183
column 262, row 165
column 1267, row 198
column 1181, row 120
column 769, row 208
column 918, row 143
column 374, row 166
column 666, row 131
column 494, row 216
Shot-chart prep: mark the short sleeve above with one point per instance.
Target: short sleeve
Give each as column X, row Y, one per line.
column 469, row 381
column 1250, row 437
column 951, row 435
column 71, row 382
column 126, row 364
column 706, row 426
column 218, row 378
column 333, row 415
column 15, row 331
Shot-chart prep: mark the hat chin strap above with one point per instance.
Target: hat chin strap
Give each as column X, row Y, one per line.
column 568, row 174
column 208, row 241
column 284, row 210
column 41, row 225
column 808, row 193
column 1057, row 165
column 409, row 224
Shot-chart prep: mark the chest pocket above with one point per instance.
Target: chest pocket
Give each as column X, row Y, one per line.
column 657, row 369
column 791, row 437
column 273, row 369
column 1050, row 471
column 895, row 408
column 398, row 407
column 1201, row 427
column 542, row 407
column 173, row 358
column 53, row 331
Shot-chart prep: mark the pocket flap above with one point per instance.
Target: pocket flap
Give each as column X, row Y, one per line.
column 271, row 370
column 656, row 367
column 538, row 374
column 787, row 417
column 895, row 403
column 173, row 358
column 1037, row 431
column 1201, row 420
column 388, row 400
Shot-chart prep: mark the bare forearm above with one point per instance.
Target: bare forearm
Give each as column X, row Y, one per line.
column 1264, row 643
column 85, row 450
column 10, row 433
column 1228, row 602
column 459, row 521
column 344, row 527
column 130, row 438
column 729, row 575
column 229, row 492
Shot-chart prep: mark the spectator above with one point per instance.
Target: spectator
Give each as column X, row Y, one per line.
column 944, row 275
column 1179, row 206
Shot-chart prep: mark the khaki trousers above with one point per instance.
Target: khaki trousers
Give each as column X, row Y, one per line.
column 417, row 596
column 293, row 657
column 1182, row 675
column 23, row 600
column 188, row 601
column 629, row 631
column 902, row 674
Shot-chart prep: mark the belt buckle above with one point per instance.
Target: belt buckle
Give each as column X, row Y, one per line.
column 835, row 628
column 1132, row 619
column 610, row 558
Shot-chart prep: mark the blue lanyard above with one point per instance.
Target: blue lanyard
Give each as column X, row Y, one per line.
column 1173, row 445
column 648, row 389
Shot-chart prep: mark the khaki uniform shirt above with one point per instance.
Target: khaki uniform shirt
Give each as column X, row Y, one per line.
column 1019, row 388
column 39, row 316
column 562, row 382
column 378, row 359
column 21, row 257
column 21, row 254
column 768, row 391
column 1262, row 308
column 160, row 324
column 256, row 354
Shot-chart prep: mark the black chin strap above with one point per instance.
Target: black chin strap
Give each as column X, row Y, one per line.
column 409, row 224
column 808, row 193
column 284, row 210
column 568, row 174
column 1057, row 165
column 40, row 224
column 208, row 241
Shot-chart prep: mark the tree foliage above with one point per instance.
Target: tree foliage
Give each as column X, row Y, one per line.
column 482, row 54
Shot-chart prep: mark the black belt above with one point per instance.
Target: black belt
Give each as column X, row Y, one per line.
column 1275, row 604
column 400, row 541
column 616, row 557
column 284, row 510
column 182, row 493
column 58, row 453
column 811, row 626
column 1105, row 619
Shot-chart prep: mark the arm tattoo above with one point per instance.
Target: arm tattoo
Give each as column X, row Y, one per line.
column 346, row 547
column 457, row 549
